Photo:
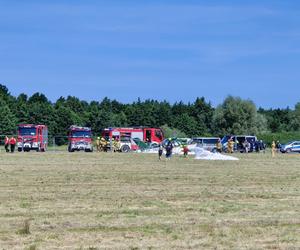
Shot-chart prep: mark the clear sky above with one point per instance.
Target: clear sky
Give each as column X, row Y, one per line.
column 161, row 49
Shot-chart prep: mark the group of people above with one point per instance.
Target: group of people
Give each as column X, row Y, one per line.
column 10, row 144
column 169, row 151
column 103, row 145
column 244, row 147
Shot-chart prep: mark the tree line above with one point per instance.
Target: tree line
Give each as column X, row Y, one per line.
column 198, row 118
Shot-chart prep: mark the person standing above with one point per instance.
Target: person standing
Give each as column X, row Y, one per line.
column 278, row 146
column 160, row 152
column 169, row 149
column 230, row 146
column 257, row 146
column 185, row 151
column 12, row 142
column 246, row 146
column 273, row 148
column 98, row 144
column 103, row 144
column 219, row 146
column 6, row 144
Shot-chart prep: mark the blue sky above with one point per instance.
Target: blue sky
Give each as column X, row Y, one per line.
column 161, row 49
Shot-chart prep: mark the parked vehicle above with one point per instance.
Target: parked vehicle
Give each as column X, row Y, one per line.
column 126, row 144
column 32, row 137
column 293, row 146
column 175, row 142
column 149, row 135
column 80, row 138
column 207, row 143
column 239, row 141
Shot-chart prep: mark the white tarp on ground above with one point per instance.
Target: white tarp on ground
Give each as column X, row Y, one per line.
column 149, row 151
column 202, row 154
column 175, row 151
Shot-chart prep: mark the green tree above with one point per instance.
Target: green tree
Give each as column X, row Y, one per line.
column 64, row 117
column 172, row 132
column 235, row 116
column 40, row 111
column 295, row 120
column 8, row 121
column 186, row 124
column 21, row 109
column 203, row 113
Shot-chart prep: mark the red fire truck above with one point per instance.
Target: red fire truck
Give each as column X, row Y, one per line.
column 151, row 135
column 80, row 138
column 32, row 137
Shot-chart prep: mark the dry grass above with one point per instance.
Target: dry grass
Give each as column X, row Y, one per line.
column 132, row 201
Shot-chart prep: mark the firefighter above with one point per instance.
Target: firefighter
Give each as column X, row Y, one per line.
column 98, row 144
column 230, row 146
column 219, row 146
column 113, row 149
column 12, row 142
column 118, row 144
column 273, row 148
column 103, row 144
column 6, row 144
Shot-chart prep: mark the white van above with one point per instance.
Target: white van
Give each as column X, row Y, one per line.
column 207, row 143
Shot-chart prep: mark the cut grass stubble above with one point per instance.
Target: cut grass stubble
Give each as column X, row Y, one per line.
column 120, row 200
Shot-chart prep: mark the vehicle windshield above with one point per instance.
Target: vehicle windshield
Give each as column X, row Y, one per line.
column 290, row 142
column 27, row 131
column 125, row 139
column 81, row 134
column 158, row 134
column 210, row 141
column 196, row 140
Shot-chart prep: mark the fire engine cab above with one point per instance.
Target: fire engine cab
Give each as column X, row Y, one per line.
column 149, row 135
column 80, row 138
column 32, row 137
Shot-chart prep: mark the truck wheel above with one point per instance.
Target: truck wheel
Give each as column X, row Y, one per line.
column 125, row 149
column 19, row 149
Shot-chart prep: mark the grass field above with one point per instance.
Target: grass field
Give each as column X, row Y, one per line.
column 132, row 201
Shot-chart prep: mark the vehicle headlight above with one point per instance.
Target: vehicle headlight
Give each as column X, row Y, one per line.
column 35, row 144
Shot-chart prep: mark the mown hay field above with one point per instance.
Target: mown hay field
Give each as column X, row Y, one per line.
column 133, row 201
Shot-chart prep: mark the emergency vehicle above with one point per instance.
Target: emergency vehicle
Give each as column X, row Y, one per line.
column 32, row 137
column 80, row 138
column 125, row 136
